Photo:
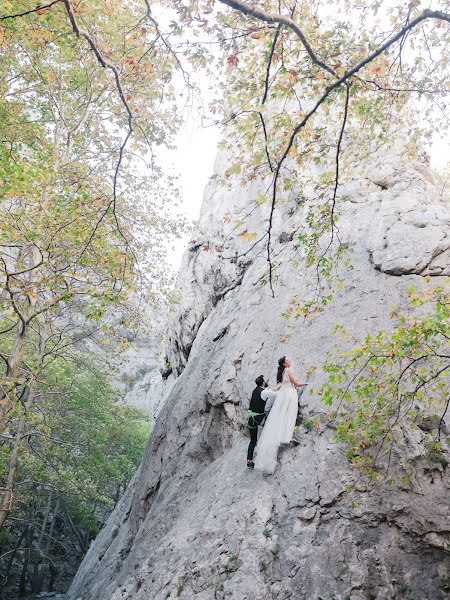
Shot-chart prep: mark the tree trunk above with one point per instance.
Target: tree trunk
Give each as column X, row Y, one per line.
column 44, row 558
column 12, row 373
column 31, row 254
column 39, row 555
column 23, row 576
column 24, row 573
column 11, row 559
column 53, row 575
column 46, row 517
column 76, row 532
column 8, row 496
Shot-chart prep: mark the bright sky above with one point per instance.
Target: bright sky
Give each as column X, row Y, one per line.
column 194, row 160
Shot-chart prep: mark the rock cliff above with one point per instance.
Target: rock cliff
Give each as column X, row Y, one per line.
column 195, row 523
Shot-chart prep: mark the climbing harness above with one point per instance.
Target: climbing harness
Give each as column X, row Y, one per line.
column 252, row 423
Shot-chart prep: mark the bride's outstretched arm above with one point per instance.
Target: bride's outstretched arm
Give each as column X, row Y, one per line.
column 293, row 379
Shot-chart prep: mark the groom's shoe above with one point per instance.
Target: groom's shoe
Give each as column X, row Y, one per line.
column 250, row 464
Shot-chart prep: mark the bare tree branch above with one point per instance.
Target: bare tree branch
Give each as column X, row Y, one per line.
column 28, row 12
column 259, row 14
column 8, row 329
column 11, row 295
column 261, row 118
column 246, row 9
column 336, row 178
column 269, row 62
column 29, row 269
column 441, row 422
column 338, row 153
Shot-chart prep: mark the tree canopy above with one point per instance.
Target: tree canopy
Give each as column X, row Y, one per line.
column 391, row 380
column 76, row 456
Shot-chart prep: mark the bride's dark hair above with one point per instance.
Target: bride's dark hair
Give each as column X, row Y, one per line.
column 281, row 368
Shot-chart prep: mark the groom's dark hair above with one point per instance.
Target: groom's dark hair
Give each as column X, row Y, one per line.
column 260, row 381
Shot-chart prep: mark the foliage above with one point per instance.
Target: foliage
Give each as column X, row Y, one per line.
column 275, row 551
column 84, row 216
column 81, row 449
column 106, row 438
column 62, row 185
column 309, row 424
column 393, row 380
column 85, row 208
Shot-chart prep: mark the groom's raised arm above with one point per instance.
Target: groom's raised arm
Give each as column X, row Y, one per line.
column 269, row 396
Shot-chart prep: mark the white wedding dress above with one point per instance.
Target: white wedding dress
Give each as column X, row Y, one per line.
column 279, row 427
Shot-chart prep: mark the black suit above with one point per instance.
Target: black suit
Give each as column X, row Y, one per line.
column 257, row 405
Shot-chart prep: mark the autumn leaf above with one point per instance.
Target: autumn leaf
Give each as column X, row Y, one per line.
column 234, row 169
column 246, row 236
column 293, row 75
column 260, row 199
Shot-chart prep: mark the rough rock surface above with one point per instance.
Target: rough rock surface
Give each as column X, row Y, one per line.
column 194, row 522
column 137, row 371
column 411, row 231
column 139, row 374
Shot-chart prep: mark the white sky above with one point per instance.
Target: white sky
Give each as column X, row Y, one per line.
column 194, row 160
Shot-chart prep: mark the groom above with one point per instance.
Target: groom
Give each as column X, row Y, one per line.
column 256, row 414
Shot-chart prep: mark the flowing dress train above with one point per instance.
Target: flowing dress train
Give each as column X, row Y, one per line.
column 279, row 427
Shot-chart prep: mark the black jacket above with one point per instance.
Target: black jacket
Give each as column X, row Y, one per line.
column 257, row 404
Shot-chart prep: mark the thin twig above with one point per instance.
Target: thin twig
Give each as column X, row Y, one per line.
column 269, row 62
column 259, row 14
column 28, row 12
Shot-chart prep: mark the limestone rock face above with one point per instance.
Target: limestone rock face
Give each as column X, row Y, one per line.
column 136, row 369
column 195, row 523
column 411, row 229
column 141, row 375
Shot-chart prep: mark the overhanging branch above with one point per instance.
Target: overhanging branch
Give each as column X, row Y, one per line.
column 28, row 12
column 244, row 8
column 259, row 14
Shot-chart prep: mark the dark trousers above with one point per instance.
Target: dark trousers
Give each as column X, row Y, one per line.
column 253, row 423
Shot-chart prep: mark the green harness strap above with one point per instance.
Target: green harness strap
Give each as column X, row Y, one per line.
column 251, row 415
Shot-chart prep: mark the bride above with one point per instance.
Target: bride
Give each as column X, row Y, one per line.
column 280, row 423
